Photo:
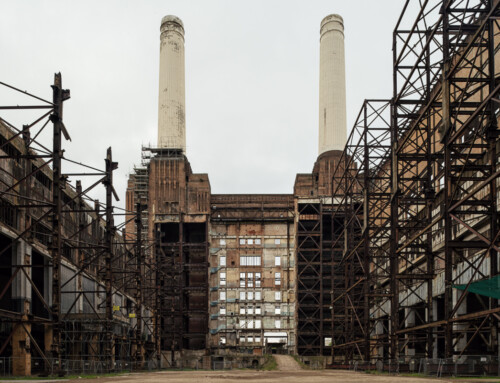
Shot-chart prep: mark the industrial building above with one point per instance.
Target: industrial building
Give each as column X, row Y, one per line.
column 232, row 264
column 385, row 255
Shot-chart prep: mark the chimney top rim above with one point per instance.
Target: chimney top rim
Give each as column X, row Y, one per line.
column 334, row 17
column 172, row 19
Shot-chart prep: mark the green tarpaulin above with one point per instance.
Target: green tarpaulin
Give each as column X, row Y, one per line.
column 488, row 287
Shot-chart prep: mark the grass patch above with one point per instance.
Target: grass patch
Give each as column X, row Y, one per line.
column 301, row 364
column 270, row 364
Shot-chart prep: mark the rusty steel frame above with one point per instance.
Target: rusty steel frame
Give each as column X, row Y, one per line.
column 65, row 330
column 438, row 207
column 362, row 193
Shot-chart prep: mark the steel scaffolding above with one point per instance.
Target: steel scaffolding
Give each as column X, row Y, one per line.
column 93, row 271
column 419, row 180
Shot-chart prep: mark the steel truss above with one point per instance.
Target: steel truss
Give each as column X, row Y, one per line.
column 426, row 207
column 362, row 227
column 74, row 246
column 182, row 280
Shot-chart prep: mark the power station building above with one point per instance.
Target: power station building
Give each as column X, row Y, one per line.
column 385, row 255
column 240, row 272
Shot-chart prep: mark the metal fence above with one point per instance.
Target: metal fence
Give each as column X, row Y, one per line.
column 75, row 366
column 466, row 365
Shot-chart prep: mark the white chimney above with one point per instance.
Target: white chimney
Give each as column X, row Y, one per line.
column 332, row 112
column 172, row 98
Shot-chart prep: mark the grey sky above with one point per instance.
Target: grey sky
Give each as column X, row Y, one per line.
column 252, row 70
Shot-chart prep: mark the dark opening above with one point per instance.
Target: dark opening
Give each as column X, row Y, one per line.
column 6, row 272
column 194, row 232
column 38, row 277
column 169, row 232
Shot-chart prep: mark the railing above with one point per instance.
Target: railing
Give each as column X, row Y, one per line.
column 466, row 365
column 76, row 366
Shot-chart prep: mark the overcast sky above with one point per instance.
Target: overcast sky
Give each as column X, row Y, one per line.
column 252, row 70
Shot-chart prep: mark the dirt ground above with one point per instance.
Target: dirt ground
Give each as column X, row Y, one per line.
column 289, row 371
column 288, row 376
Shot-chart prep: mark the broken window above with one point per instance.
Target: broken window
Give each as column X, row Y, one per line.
column 242, row 279
column 257, row 279
column 249, row 279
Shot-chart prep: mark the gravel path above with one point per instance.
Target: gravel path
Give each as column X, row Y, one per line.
column 287, row 363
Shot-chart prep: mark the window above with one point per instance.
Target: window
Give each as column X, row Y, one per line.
column 242, row 310
column 222, row 295
column 250, row 279
column 277, row 241
column 258, row 241
column 250, row 241
column 222, row 242
column 250, row 310
column 258, row 295
column 257, row 279
column 277, row 323
column 277, row 279
column 250, row 339
column 242, row 279
column 242, row 295
column 258, row 323
column 222, row 260
column 249, row 260
column 250, row 324
column 277, row 310
column 258, row 310
column 242, row 241
column 242, row 339
column 277, row 260
column 257, row 339
column 250, row 295
column 222, row 340
column 277, row 296
column 223, row 310
column 222, row 279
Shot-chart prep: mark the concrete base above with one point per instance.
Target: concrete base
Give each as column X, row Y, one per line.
column 21, row 356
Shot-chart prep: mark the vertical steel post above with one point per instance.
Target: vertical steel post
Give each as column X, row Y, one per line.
column 58, row 97
column 108, row 257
